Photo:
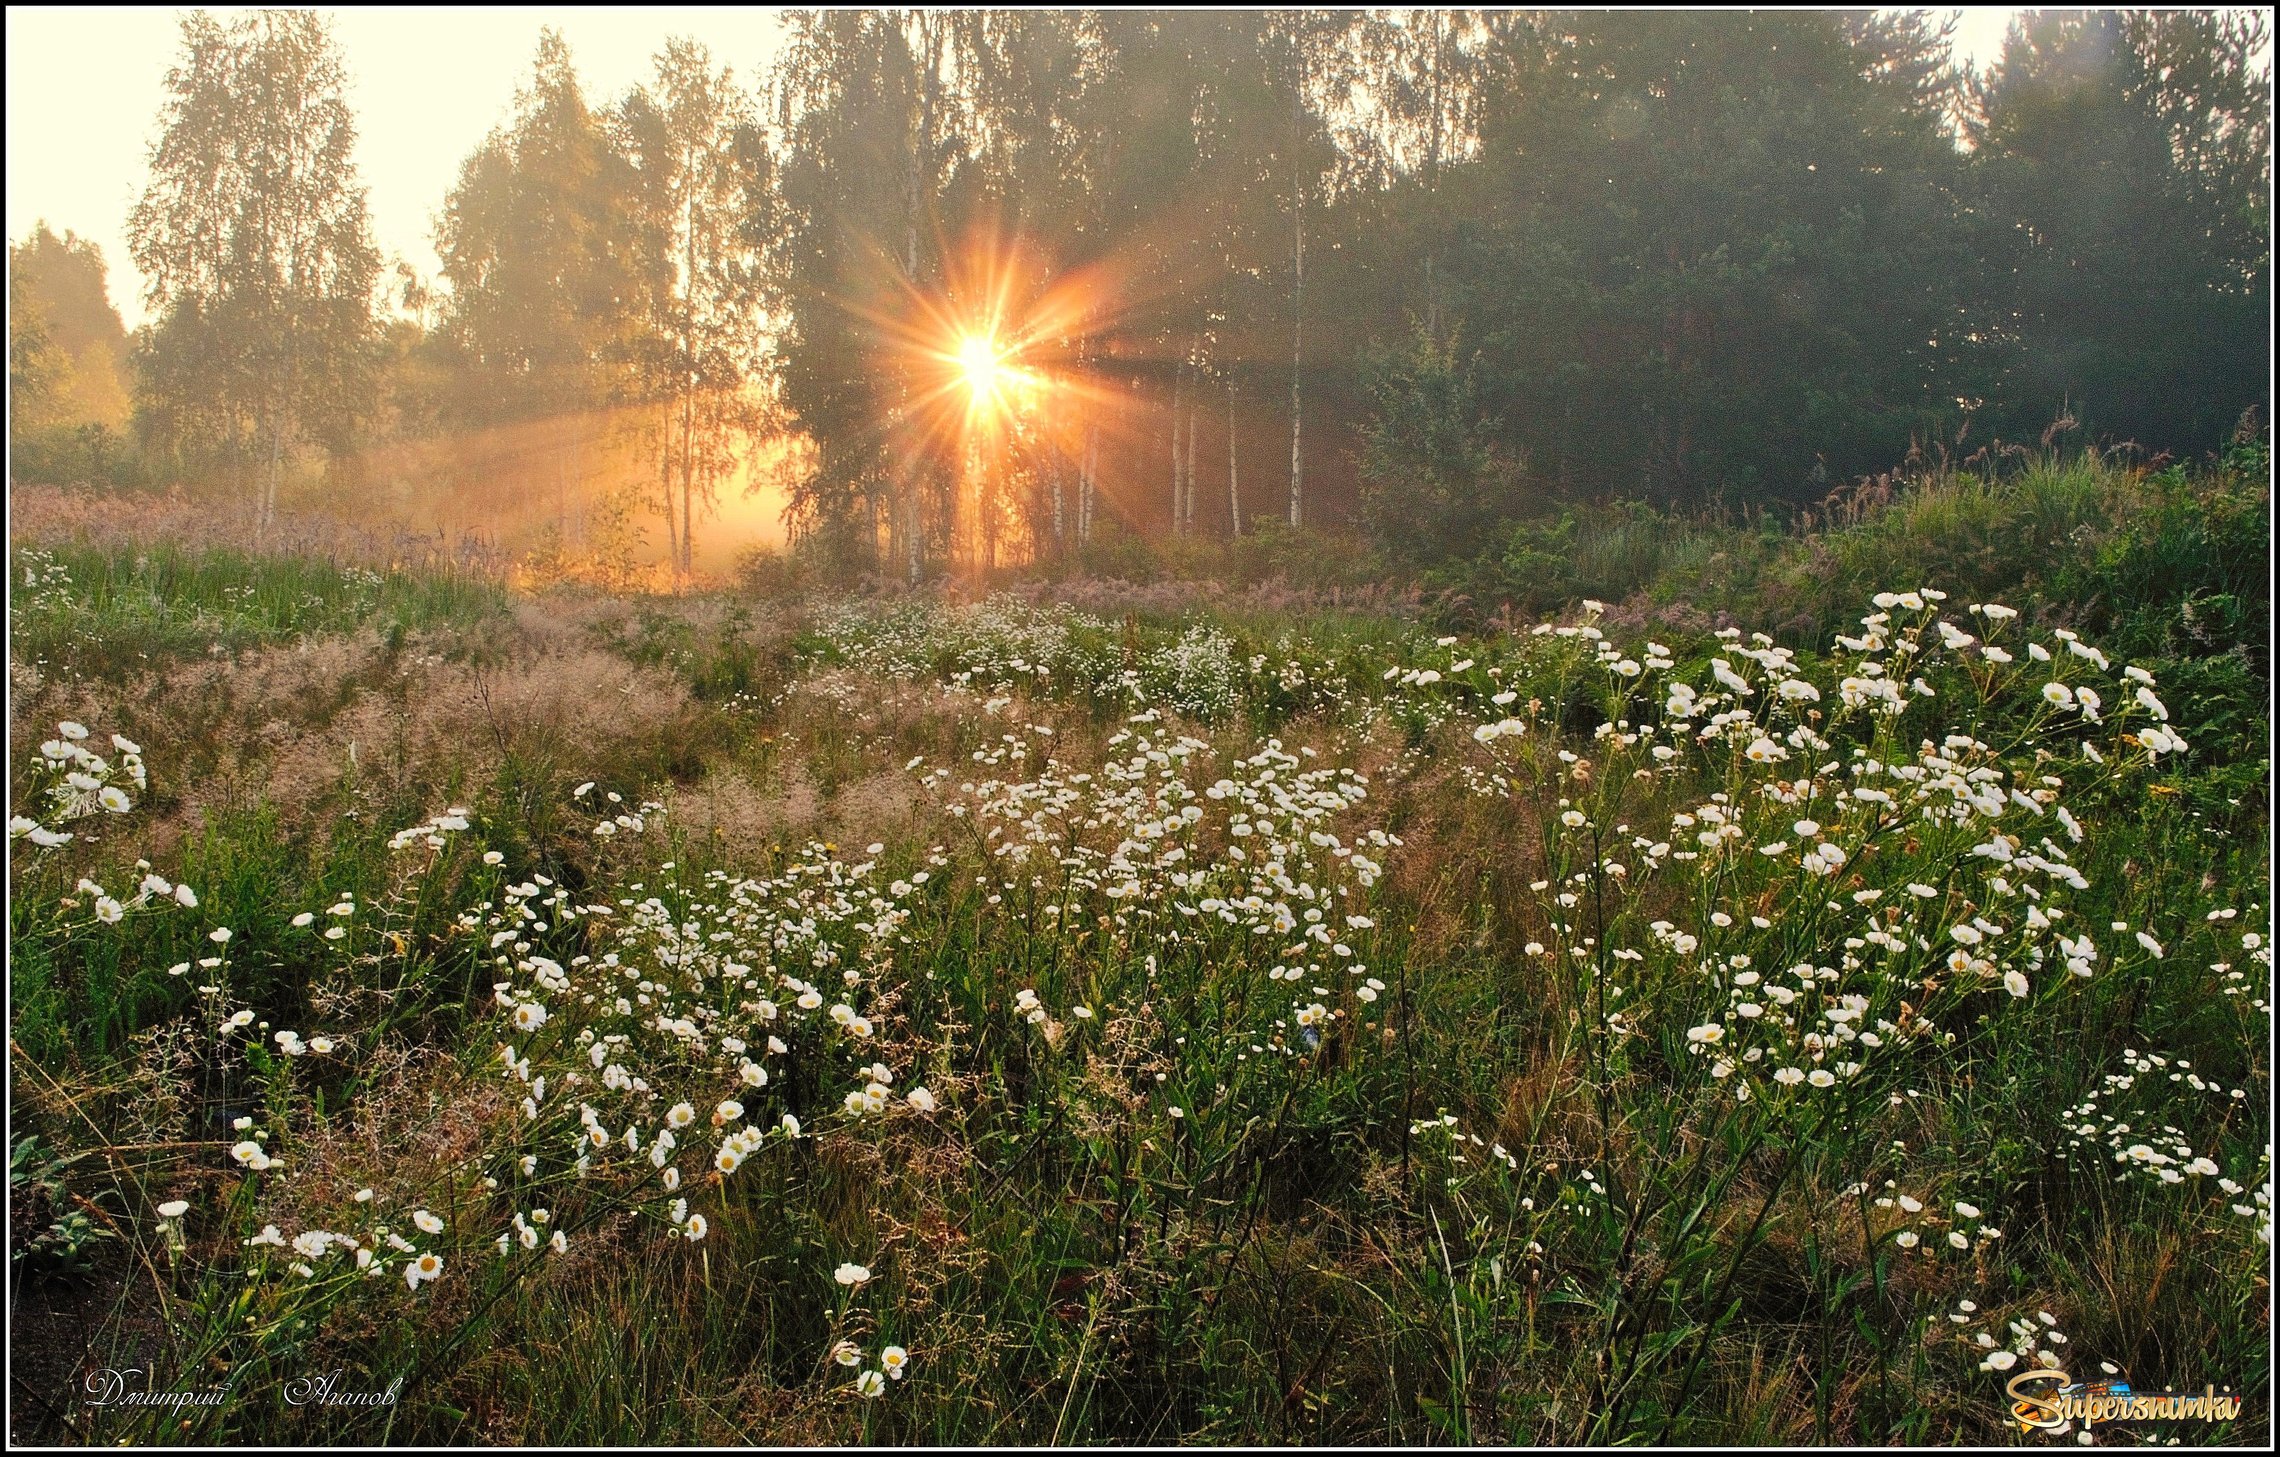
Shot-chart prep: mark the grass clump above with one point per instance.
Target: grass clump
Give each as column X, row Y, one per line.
column 114, row 611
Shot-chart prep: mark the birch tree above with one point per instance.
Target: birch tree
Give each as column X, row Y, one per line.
column 254, row 237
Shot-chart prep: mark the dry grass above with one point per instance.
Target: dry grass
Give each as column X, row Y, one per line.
column 45, row 514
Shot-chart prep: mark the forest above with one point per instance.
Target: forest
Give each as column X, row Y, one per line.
column 963, row 289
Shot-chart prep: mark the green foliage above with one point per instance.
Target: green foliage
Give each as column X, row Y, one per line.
column 48, row 1236
column 1434, row 484
column 68, row 350
column 2127, row 157
column 1303, row 557
column 2167, row 566
column 254, row 236
column 35, row 363
column 116, row 612
column 727, row 663
column 81, row 455
column 542, row 296
column 1694, row 250
column 1722, row 258
column 1605, row 553
column 2166, row 562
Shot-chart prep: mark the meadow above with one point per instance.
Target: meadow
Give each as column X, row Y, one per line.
column 1762, row 985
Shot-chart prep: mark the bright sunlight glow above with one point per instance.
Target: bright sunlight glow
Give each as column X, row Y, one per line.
column 978, row 356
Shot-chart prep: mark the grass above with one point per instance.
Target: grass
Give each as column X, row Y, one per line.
column 2087, row 535
column 112, row 611
column 1483, row 1158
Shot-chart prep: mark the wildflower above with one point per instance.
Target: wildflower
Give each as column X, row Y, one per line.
column 695, row 1229
column 870, row 1384
column 426, row 1267
column 174, row 1209
column 847, row 1353
column 851, row 1275
column 115, row 799
column 109, row 911
column 1907, row 1239
column 428, row 1223
column 920, row 1099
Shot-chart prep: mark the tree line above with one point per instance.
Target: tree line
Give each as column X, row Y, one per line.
column 1423, row 272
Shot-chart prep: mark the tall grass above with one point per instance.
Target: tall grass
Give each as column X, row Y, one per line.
column 108, row 611
column 1487, row 1159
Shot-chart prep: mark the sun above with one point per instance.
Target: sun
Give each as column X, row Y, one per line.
column 984, row 367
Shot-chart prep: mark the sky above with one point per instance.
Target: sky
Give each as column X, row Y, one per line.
column 427, row 83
